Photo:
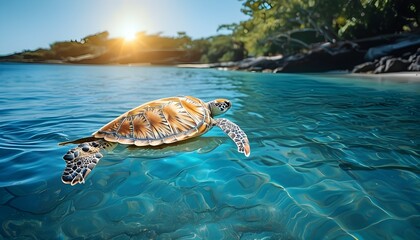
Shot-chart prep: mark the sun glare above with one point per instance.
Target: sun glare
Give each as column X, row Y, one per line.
column 126, row 27
column 129, row 35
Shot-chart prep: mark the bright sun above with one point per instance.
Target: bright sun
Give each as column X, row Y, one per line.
column 127, row 27
column 129, row 35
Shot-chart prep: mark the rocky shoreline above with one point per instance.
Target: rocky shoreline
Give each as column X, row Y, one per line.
column 383, row 54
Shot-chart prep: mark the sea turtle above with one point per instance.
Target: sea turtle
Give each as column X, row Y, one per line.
column 162, row 121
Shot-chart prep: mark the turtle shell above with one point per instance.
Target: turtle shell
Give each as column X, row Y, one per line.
column 159, row 122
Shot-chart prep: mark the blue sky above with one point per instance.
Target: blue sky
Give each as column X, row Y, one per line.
column 28, row 24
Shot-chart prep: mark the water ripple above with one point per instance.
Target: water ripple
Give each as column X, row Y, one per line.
column 331, row 157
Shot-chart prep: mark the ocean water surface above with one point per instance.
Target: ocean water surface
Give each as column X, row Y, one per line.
column 332, row 157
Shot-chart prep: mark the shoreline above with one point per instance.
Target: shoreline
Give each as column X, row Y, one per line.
column 403, row 76
column 406, row 75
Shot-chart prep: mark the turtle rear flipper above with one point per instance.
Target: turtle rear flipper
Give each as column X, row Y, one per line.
column 80, row 161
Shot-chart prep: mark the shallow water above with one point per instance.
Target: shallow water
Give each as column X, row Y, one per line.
column 332, row 157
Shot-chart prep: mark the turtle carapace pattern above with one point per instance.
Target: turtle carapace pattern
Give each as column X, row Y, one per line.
column 162, row 121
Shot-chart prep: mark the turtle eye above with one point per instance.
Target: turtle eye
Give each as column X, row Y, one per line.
column 219, row 106
column 224, row 106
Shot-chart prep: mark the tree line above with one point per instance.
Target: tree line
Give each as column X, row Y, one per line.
column 273, row 27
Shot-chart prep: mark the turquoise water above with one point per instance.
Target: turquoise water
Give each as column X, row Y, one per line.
column 332, row 157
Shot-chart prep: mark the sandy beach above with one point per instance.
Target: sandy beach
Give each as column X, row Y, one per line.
column 397, row 76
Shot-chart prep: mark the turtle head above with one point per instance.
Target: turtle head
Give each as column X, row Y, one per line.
column 219, row 106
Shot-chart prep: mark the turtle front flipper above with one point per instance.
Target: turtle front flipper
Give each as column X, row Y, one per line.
column 236, row 134
column 81, row 160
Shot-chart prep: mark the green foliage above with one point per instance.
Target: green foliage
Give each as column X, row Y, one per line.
column 62, row 50
column 197, row 50
column 219, row 48
column 157, row 41
column 37, row 55
column 96, row 39
column 373, row 17
column 275, row 26
column 110, row 48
